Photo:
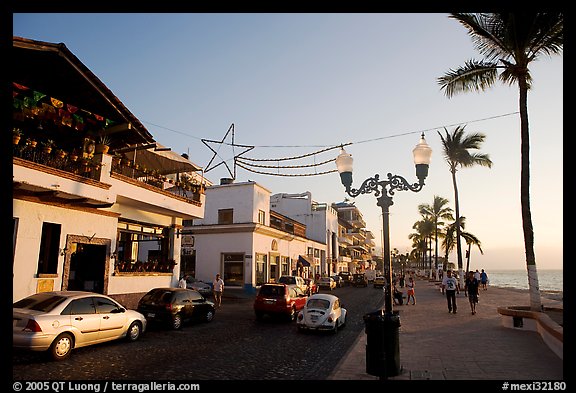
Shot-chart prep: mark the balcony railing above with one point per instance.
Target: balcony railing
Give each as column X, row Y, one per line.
column 89, row 167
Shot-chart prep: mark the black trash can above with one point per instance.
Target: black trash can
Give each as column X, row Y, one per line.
column 382, row 344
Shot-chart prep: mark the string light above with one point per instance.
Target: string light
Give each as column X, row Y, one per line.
column 247, row 163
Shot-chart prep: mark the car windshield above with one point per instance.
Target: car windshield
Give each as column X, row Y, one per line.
column 318, row 303
column 287, row 280
column 40, row 302
column 271, row 290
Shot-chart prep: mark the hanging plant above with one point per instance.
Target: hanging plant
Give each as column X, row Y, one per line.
column 103, row 144
column 48, row 145
column 16, row 135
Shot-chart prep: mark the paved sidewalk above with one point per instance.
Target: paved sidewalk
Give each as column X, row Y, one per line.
column 436, row 345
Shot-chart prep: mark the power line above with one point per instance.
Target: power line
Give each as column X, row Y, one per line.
column 357, row 142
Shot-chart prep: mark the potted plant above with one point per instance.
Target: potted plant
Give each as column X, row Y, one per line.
column 16, row 135
column 48, row 145
column 103, row 144
column 116, row 159
column 74, row 155
column 31, row 142
column 61, row 153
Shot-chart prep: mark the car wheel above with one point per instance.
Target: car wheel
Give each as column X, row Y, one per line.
column 209, row 316
column 134, row 331
column 259, row 315
column 177, row 322
column 61, row 347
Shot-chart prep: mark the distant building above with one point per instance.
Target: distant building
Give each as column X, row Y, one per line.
column 321, row 222
column 356, row 243
column 241, row 238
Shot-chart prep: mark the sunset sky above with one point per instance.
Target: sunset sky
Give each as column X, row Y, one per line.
column 296, row 84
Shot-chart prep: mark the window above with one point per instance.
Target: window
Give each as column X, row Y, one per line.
column 105, row 306
column 261, row 217
column 49, row 249
column 261, row 267
column 226, row 216
column 275, row 222
column 285, row 262
column 79, row 307
column 233, row 269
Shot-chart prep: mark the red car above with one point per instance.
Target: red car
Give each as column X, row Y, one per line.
column 311, row 286
column 279, row 300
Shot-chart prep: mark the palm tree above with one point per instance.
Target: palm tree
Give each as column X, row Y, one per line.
column 456, row 152
column 424, row 229
column 509, row 42
column 449, row 238
column 419, row 247
column 471, row 240
column 437, row 211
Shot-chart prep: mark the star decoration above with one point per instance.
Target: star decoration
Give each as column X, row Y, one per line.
column 222, row 160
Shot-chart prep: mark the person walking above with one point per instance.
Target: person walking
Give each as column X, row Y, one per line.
column 450, row 286
column 218, row 288
column 472, row 288
column 410, row 292
column 182, row 282
column 484, row 280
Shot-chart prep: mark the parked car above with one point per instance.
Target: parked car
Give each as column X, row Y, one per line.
column 326, row 283
column 279, row 300
column 204, row 288
column 359, row 280
column 175, row 306
column 347, row 277
column 379, row 282
column 293, row 280
column 339, row 281
column 322, row 311
column 60, row 321
column 311, row 286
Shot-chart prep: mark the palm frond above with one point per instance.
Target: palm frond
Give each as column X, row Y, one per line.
column 474, row 75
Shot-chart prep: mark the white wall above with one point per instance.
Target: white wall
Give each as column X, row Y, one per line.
column 245, row 198
column 31, row 217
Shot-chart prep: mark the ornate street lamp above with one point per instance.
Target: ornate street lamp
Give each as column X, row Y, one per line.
column 383, row 191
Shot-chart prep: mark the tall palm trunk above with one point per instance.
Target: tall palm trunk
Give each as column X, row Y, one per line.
column 458, row 242
column 535, row 300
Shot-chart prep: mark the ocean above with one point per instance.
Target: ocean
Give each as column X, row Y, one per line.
column 549, row 280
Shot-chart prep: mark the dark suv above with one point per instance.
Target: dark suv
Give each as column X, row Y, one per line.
column 174, row 306
column 359, row 280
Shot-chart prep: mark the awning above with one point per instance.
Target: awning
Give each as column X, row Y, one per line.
column 163, row 160
column 303, row 260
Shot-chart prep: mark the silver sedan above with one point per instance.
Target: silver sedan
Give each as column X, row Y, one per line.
column 59, row 321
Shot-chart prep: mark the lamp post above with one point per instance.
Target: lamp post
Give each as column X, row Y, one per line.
column 383, row 191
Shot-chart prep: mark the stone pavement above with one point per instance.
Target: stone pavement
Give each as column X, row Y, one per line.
column 437, row 345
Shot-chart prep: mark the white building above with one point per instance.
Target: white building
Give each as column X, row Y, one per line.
column 81, row 218
column 241, row 238
column 321, row 222
column 356, row 243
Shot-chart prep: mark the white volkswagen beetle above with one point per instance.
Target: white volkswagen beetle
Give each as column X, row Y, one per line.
column 322, row 312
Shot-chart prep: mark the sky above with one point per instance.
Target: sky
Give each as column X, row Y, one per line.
column 297, row 84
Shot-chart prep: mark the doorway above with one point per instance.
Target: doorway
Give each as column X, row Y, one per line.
column 87, row 268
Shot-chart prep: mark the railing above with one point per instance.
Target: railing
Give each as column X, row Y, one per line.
column 144, row 267
column 89, row 167
column 59, row 159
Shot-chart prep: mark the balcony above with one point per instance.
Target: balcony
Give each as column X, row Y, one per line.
column 79, row 180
